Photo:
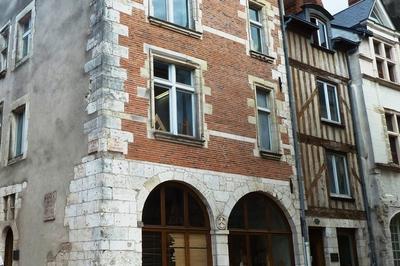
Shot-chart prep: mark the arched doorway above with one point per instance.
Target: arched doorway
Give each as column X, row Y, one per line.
column 8, row 252
column 176, row 229
column 259, row 234
column 395, row 234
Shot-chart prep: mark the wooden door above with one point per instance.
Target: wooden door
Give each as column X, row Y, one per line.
column 317, row 246
column 8, row 254
column 347, row 247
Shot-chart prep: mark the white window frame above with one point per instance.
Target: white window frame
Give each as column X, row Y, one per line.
column 170, row 12
column 270, row 113
column 173, row 86
column 18, row 36
column 12, row 144
column 326, row 99
column 319, row 21
column 395, row 133
column 386, row 61
column 257, row 24
column 4, row 61
column 335, row 177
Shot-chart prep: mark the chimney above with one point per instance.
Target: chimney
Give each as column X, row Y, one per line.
column 352, row 2
column 294, row 6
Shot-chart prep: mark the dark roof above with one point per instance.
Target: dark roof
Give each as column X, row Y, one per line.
column 300, row 25
column 354, row 15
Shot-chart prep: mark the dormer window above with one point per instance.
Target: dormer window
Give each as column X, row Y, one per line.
column 320, row 37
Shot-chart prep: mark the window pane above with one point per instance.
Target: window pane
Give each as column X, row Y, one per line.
column 161, row 70
column 331, row 174
column 237, row 250
column 342, row 175
column 25, row 45
column 333, row 103
column 185, row 113
column 398, row 123
column 264, row 130
column 388, row 51
column 196, row 215
column 160, row 9
column 259, row 251
column 176, row 249
column 254, row 14
column 393, row 149
column 162, row 116
column 19, row 133
column 278, row 221
column 174, row 206
column 181, row 14
column 151, row 210
column 198, row 250
column 379, row 66
column 377, row 48
column 256, row 212
column 151, row 255
column 236, row 219
column 183, row 75
column 389, row 122
column 322, row 35
column 322, row 102
column 281, row 250
column 255, row 38
column 262, row 98
column 392, row 72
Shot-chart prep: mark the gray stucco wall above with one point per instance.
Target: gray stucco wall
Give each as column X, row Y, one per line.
column 54, row 84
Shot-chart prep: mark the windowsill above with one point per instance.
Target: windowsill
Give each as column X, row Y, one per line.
column 16, row 159
column 332, row 123
column 175, row 27
column 270, row 155
column 22, row 61
column 330, row 51
column 341, row 197
column 179, row 139
column 261, row 56
column 389, row 166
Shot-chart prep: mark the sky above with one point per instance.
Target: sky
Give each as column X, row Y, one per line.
column 334, row 6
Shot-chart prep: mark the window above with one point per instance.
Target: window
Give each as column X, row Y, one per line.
column 17, row 133
column 1, row 123
column 256, row 29
column 174, row 99
column 395, row 234
column 320, row 37
column 385, row 64
column 9, row 207
column 393, row 129
column 176, row 228
column 4, row 41
column 264, row 118
column 259, row 233
column 328, row 100
column 175, row 11
column 338, row 174
column 24, row 36
column 347, row 247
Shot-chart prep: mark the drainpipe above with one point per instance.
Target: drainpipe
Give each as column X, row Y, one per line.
column 299, row 170
column 361, row 163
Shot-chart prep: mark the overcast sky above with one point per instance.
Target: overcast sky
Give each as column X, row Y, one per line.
column 334, row 6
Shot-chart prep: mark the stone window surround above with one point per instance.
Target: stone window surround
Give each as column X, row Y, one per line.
column 198, row 67
column 395, row 133
column 23, row 101
column 3, row 28
column 195, row 32
column 383, row 58
column 29, row 8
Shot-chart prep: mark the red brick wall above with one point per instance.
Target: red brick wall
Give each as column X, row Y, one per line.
column 227, row 76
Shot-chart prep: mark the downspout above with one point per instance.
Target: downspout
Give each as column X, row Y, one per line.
column 299, row 170
column 361, row 163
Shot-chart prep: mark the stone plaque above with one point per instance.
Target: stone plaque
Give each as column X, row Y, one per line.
column 50, row 206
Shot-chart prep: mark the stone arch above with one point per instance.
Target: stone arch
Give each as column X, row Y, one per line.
column 394, row 224
column 4, row 231
column 194, row 183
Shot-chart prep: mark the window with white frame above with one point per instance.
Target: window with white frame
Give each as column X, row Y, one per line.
column 393, row 130
column 24, row 36
column 385, row 62
column 338, row 174
column 4, row 42
column 264, row 111
column 320, row 37
column 329, row 103
column 174, row 11
column 257, row 42
column 174, row 99
column 17, row 133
